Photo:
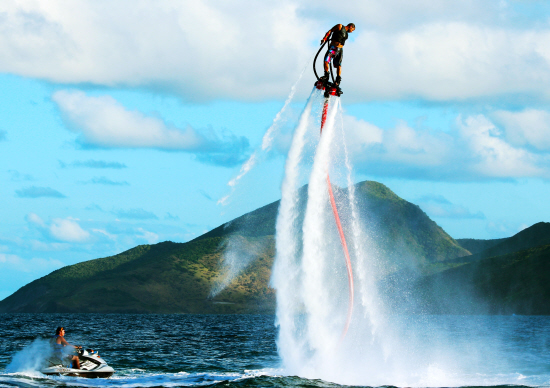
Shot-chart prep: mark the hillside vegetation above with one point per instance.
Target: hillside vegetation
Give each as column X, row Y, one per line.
column 511, row 276
column 178, row 277
column 534, row 236
column 475, row 246
column 162, row 278
column 513, row 283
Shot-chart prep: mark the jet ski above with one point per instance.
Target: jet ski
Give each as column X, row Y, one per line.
column 91, row 366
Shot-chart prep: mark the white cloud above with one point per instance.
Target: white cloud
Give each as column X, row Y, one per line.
column 495, row 157
column 433, row 49
column 68, row 230
column 449, row 61
column 421, row 146
column 105, row 233
column 361, row 134
column 35, row 219
column 150, row 237
column 390, row 15
column 529, row 127
column 475, row 149
column 398, row 151
column 60, row 229
column 197, row 49
column 104, row 122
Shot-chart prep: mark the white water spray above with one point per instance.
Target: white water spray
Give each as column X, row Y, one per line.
column 237, row 254
column 286, row 265
column 267, row 142
column 309, row 274
column 30, row 359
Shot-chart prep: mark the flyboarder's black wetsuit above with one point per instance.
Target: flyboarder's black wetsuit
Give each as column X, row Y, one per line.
column 336, row 46
column 335, row 51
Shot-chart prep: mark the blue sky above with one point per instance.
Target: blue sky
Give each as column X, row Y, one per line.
column 122, row 123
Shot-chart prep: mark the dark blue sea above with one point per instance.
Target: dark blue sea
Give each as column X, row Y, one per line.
column 231, row 350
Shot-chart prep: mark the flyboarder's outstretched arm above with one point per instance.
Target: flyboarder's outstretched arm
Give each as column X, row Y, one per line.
column 337, row 27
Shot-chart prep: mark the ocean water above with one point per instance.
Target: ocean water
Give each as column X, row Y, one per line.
column 241, row 350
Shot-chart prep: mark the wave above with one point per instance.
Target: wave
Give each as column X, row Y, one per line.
column 133, row 377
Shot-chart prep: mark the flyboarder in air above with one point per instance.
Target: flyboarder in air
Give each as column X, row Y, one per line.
column 337, row 40
column 338, row 36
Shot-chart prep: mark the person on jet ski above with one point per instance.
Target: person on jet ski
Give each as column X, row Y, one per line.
column 59, row 343
column 335, row 51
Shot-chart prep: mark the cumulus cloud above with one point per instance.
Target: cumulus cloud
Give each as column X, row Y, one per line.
column 439, row 206
column 198, row 49
column 493, row 156
column 35, row 219
column 432, row 49
column 105, row 233
column 362, row 133
column 530, row 127
column 91, row 163
column 449, row 61
column 399, row 151
column 392, row 15
column 148, row 236
column 68, row 230
column 474, row 149
column 60, row 229
column 103, row 122
column 38, row 192
column 135, row 214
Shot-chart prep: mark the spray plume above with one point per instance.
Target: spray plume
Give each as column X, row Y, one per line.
column 267, row 143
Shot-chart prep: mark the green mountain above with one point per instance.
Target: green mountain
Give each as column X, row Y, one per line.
column 178, row 277
column 475, row 246
column 534, row 236
column 406, row 237
column 162, row 278
column 509, row 277
column 514, row 283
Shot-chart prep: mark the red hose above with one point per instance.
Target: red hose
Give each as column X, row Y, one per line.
column 341, row 233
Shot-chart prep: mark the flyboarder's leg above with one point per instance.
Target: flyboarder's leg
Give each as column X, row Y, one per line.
column 324, row 78
column 332, row 51
column 338, row 64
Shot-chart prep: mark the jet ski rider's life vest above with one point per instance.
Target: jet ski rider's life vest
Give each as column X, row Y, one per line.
column 339, row 36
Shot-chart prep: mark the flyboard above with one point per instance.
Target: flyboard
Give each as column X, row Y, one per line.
column 333, row 89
